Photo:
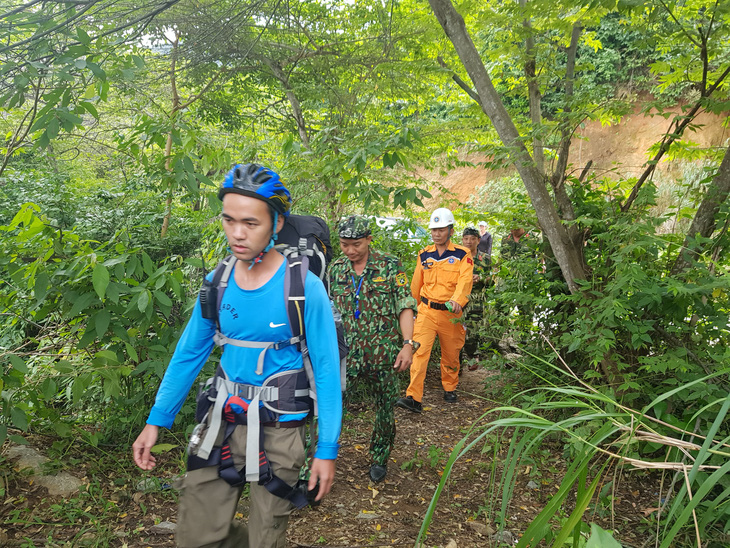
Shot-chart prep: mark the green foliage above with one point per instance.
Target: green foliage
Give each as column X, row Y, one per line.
column 602, row 432
column 88, row 325
column 131, row 211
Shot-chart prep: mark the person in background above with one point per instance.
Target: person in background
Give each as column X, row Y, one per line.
column 513, row 244
column 474, row 311
column 371, row 291
column 441, row 283
column 485, row 242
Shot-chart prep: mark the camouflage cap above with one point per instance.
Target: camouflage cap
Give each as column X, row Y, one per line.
column 470, row 231
column 354, row 227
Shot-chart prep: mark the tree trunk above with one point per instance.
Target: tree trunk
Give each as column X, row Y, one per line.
column 168, row 144
column 703, row 224
column 533, row 94
column 566, row 253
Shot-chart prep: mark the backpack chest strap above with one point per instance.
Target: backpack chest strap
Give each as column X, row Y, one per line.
column 220, row 339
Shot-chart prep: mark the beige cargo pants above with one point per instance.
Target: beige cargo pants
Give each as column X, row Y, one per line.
column 208, row 503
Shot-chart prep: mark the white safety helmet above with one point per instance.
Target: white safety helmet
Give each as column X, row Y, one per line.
column 441, row 218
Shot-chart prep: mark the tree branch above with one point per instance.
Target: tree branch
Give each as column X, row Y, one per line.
column 669, row 139
column 671, row 14
column 23, row 7
column 17, row 140
column 568, row 258
column 558, row 179
column 51, row 30
column 459, row 82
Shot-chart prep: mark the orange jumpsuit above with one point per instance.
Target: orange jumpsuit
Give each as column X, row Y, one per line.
column 438, row 279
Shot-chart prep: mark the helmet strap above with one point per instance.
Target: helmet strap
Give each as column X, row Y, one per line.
column 274, row 236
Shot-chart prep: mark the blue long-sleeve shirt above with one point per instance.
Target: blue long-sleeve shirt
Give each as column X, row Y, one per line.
column 260, row 315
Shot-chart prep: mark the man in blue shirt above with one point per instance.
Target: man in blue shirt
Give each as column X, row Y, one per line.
column 253, row 309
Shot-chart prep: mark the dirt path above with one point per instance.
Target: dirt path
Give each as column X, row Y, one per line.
column 358, row 512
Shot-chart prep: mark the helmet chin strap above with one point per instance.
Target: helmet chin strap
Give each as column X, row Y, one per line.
column 274, row 236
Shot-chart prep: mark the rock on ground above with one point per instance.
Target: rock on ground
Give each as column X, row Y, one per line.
column 62, row 484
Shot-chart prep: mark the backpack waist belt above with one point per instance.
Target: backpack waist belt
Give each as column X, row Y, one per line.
column 252, row 413
column 296, row 494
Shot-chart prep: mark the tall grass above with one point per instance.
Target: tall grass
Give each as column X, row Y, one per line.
column 700, row 468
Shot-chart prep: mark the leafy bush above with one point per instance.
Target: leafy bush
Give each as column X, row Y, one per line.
column 86, row 326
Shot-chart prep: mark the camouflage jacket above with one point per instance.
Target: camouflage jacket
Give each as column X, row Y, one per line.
column 374, row 336
column 482, row 268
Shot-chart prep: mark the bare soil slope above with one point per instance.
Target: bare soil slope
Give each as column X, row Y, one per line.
column 619, row 151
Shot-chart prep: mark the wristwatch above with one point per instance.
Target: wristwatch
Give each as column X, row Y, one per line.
column 415, row 344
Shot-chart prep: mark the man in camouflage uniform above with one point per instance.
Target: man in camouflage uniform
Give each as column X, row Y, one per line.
column 371, row 290
column 474, row 312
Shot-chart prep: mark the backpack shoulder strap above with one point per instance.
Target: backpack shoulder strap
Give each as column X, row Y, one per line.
column 294, row 279
column 220, row 282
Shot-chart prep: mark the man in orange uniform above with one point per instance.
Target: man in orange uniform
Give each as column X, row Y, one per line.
column 441, row 284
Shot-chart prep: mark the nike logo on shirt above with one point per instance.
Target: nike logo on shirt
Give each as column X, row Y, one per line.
column 273, row 325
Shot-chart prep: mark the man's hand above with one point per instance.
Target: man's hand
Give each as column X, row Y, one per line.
column 324, row 471
column 474, row 278
column 142, row 445
column 455, row 307
column 404, row 359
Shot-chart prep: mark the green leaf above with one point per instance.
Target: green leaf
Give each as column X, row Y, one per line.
column 83, row 37
column 107, row 356
column 149, row 266
column 112, row 292
column 49, row 388
column 100, row 74
column 144, row 300
column 131, row 352
column 162, row 298
column 43, row 141
column 101, row 322
column 81, row 304
column 42, row 122
column 88, row 337
column 163, row 447
column 62, row 429
column 19, row 418
column 53, row 128
column 100, row 280
column 90, row 108
column 40, row 288
column 78, row 389
column 18, row 363
column 63, row 366
column 3, row 433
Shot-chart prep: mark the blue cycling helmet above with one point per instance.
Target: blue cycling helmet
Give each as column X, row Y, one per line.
column 258, row 182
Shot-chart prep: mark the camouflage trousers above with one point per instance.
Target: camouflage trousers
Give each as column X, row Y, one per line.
column 380, row 384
